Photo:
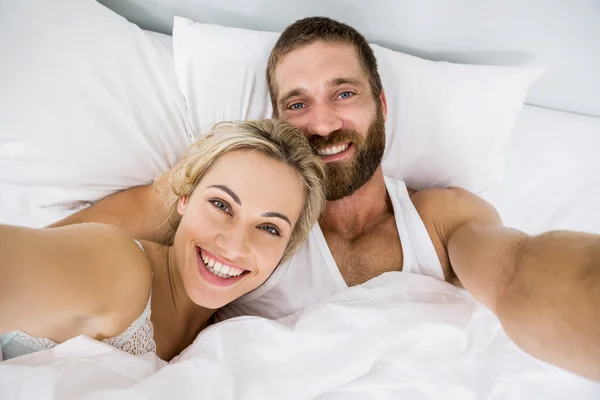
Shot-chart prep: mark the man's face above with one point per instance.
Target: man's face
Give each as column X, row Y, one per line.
column 323, row 90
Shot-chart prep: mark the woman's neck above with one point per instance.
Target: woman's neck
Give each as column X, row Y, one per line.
column 177, row 319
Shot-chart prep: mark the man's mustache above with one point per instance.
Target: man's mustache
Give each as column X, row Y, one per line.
column 334, row 138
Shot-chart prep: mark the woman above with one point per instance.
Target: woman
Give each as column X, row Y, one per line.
column 244, row 198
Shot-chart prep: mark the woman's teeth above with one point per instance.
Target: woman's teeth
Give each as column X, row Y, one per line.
column 218, row 269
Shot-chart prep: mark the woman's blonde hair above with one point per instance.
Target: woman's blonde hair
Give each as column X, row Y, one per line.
column 278, row 140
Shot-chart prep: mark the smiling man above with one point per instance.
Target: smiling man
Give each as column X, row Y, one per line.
column 323, row 78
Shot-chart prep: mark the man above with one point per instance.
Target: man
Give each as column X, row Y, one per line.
column 323, row 78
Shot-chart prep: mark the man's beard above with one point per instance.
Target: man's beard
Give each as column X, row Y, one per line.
column 345, row 177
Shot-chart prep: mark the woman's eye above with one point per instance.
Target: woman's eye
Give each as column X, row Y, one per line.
column 271, row 230
column 296, row 106
column 221, row 205
column 345, row 95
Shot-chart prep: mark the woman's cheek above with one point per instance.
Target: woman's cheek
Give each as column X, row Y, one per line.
column 206, row 221
column 271, row 254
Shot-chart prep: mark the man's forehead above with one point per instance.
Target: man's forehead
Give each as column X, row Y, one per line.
column 321, row 63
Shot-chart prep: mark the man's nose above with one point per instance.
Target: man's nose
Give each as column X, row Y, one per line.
column 324, row 120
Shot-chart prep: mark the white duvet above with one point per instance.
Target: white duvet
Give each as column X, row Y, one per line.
column 400, row 336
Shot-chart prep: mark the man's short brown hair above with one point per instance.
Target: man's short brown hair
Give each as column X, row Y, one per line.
column 309, row 30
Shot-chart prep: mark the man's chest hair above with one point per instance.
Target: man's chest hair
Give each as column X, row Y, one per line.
column 368, row 255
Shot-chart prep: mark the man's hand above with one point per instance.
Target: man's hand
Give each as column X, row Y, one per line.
column 140, row 211
column 545, row 289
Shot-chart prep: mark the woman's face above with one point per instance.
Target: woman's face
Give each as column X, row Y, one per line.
column 235, row 226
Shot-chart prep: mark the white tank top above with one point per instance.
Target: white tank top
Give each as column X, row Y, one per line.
column 311, row 274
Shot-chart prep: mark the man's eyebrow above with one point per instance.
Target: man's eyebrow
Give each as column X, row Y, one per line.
column 277, row 215
column 345, row 81
column 229, row 192
column 334, row 82
column 292, row 93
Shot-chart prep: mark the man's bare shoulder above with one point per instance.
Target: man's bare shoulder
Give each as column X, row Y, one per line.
column 453, row 205
column 445, row 210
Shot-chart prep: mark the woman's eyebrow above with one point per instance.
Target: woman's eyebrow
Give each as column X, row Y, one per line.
column 236, row 198
column 277, row 215
column 229, row 192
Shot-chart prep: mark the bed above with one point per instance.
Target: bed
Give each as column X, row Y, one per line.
column 397, row 336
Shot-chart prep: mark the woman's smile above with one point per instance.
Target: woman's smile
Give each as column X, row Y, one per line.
column 216, row 270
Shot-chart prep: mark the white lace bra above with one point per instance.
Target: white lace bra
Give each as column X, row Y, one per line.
column 137, row 339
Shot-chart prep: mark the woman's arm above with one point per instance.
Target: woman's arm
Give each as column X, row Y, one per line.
column 89, row 279
column 140, row 211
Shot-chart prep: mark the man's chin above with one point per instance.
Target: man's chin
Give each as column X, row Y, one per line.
column 339, row 192
column 344, row 183
column 336, row 198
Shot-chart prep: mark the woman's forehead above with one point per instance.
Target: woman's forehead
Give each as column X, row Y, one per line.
column 257, row 179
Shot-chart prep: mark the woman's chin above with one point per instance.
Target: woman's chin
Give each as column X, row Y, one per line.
column 211, row 301
column 205, row 295
column 209, row 305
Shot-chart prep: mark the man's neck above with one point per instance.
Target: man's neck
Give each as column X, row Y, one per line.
column 359, row 213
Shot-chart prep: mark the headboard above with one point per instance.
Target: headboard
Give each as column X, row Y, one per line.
column 563, row 36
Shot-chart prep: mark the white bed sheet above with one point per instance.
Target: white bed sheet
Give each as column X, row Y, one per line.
column 398, row 336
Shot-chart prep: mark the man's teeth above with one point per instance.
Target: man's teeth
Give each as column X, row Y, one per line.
column 331, row 150
column 218, row 269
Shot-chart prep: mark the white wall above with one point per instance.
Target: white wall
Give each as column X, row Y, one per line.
column 562, row 35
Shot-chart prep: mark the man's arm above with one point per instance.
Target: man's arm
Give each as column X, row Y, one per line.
column 140, row 211
column 545, row 289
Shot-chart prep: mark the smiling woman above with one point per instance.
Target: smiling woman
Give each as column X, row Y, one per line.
column 241, row 206
column 243, row 199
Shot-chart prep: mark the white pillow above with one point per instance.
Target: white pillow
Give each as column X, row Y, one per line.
column 88, row 105
column 446, row 126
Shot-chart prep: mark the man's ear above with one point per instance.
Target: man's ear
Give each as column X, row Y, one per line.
column 383, row 104
column 182, row 204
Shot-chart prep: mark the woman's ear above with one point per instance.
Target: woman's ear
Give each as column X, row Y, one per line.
column 182, row 205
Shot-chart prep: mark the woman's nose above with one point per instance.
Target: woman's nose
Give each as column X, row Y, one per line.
column 233, row 243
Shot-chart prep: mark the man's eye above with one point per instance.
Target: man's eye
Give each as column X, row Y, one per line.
column 345, row 95
column 221, row 205
column 271, row 230
column 296, row 106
